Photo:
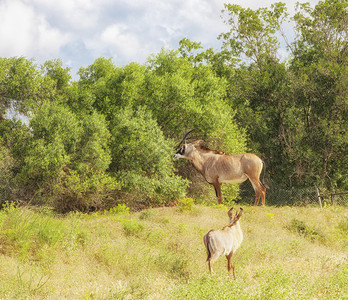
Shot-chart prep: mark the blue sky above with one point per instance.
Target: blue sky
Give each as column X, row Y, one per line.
column 79, row 31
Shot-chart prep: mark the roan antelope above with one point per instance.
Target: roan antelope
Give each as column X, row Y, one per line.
column 225, row 241
column 218, row 167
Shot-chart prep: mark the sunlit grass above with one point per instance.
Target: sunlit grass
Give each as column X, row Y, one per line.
column 159, row 254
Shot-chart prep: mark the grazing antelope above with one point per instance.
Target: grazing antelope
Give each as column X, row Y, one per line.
column 218, row 167
column 225, row 241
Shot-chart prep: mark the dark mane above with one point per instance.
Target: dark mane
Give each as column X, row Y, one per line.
column 206, row 149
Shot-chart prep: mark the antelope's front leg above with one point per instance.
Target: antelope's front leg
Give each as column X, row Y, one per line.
column 217, row 186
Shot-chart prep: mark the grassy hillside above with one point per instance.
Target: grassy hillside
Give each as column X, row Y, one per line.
column 287, row 253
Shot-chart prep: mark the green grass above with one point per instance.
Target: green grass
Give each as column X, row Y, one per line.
column 287, row 253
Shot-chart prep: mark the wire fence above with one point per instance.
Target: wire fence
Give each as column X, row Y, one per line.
column 312, row 196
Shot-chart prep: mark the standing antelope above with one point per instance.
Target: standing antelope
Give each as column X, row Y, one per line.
column 217, row 167
column 225, row 241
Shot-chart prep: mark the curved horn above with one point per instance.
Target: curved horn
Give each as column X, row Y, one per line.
column 185, row 136
column 184, row 139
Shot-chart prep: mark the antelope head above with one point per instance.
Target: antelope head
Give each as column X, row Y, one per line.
column 184, row 148
column 234, row 219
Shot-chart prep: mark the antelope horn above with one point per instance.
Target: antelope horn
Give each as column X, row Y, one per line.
column 184, row 139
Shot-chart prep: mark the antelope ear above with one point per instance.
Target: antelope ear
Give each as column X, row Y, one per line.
column 198, row 142
column 236, row 218
column 230, row 214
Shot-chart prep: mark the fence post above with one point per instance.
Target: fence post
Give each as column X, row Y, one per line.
column 318, row 195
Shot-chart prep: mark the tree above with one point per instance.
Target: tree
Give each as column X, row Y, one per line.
column 298, row 106
column 66, row 160
column 23, row 87
column 252, row 34
column 320, row 65
column 55, row 70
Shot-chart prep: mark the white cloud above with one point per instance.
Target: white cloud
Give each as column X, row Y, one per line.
column 79, row 31
column 24, row 32
column 120, row 42
column 71, row 14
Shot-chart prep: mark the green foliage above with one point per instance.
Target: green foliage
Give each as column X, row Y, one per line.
column 55, row 136
column 138, row 143
column 142, row 159
column 320, row 63
column 60, row 139
column 84, row 192
column 193, row 97
column 23, row 86
column 93, row 153
column 142, row 191
column 297, row 106
column 55, row 70
column 185, row 96
column 146, row 214
column 308, row 232
column 119, row 209
column 56, row 122
column 99, row 69
column 6, row 172
column 26, row 233
column 132, row 227
column 185, row 204
column 252, row 32
column 230, row 193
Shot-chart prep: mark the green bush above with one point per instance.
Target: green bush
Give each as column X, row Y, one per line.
column 75, row 192
column 120, row 209
column 185, row 204
column 138, row 143
column 66, row 160
column 142, row 191
column 132, row 227
column 141, row 160
column 146, row 214
column 6, row 174
column 28, row 234
column 305, row 230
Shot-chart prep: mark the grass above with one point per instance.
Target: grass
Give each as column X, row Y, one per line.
column 287, row 253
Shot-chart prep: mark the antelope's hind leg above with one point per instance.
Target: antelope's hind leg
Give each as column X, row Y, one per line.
column 211, row 261
column 263, row 197
column 260, row 191
column 257, row 199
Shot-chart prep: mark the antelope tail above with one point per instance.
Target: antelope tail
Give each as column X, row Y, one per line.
column 208, row 245
column 263, row 176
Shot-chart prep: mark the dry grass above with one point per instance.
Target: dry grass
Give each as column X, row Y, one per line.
column 159, row 254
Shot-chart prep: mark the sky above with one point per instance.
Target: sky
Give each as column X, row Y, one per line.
column 79, row 31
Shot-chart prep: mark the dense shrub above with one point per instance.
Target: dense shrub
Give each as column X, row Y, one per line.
column 6, row 173
column 66, row 160
column 84, row 192
column 141, row 160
